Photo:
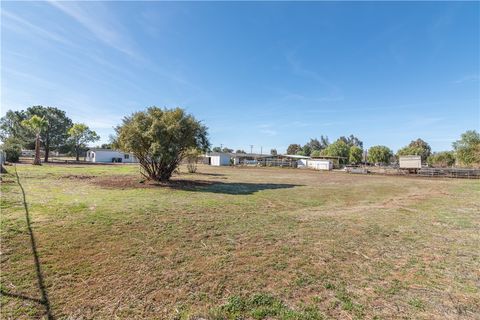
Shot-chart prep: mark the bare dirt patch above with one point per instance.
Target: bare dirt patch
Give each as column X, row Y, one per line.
column 78, row 177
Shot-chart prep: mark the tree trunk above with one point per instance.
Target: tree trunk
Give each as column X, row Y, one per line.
column 37, row 160
column 47, row 147
column 77, row 152
column 2, row 169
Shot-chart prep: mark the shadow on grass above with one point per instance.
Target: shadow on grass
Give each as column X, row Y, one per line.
column 210, row 174
column 225, row 187
column 41, row 284
column 234, row 188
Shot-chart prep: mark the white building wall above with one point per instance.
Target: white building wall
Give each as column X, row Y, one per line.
column 220, row 160
column 320, row 164
column 315, row 164
column 302, row 163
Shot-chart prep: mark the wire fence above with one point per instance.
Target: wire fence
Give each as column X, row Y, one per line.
column 450, row 173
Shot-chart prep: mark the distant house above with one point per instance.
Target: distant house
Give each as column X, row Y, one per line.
column 109, row 155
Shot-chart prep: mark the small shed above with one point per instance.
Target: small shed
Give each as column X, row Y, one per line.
column 410, row 162
column 316, row 164
column 108, row 155
column 219, row 159
column 320, row 164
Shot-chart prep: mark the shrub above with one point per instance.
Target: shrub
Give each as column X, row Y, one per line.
column 192, row 157
column 441, row 159
column 160, row 139
column 13, row 150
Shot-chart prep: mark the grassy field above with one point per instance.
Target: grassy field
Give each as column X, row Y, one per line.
column 233, row 243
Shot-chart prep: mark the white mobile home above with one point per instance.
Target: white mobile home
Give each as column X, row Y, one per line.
column 108, row 155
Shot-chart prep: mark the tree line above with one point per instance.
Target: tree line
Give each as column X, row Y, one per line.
column 466, row 151
column 46, row 128
column 159, row 138
column 162, row 138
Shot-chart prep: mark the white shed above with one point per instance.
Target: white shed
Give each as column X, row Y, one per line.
column 219, row 159
column 108, row 155
column 320, row 164
column 316, row 164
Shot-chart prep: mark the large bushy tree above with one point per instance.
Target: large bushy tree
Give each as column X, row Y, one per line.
column 159, row 138
column 355, row 155
column 306, row 150
column 467, row 149
column 324, row 142
column 316, row 153
column 416, row 148
column 80, row 134
column 351, row 141
column 337, row 149
column 294, row 148
column 379, row 154
column 314, row 144
column 11, row 126
column 56, row 132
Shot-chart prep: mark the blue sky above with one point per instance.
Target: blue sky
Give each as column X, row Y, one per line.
column 261, row 73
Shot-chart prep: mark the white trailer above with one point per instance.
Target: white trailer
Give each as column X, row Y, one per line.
column 410, row 162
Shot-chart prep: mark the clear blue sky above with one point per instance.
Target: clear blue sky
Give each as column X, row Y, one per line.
column 267, row 74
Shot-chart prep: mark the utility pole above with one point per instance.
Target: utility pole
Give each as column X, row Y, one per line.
column 251, row 148
column 261, row 150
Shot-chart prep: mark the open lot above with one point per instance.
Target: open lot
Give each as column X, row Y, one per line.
column 239, row 242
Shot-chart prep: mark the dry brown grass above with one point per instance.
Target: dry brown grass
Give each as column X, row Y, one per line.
column 345, row 246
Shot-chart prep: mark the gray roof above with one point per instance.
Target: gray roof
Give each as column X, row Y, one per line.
column 241, row 155
column 295, row 156
column 102, row 149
